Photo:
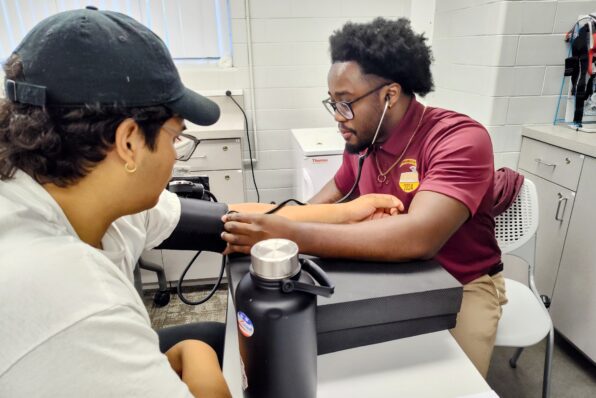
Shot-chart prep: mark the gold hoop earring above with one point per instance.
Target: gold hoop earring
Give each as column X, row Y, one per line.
column 129, row 170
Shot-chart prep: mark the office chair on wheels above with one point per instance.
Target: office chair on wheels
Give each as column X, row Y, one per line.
column 525, row 320
column 162, row 296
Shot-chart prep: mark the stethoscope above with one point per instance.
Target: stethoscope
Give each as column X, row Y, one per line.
column 364, row 155
column 361, row 159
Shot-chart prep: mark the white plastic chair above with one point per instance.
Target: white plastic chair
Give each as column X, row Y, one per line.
column 525, row 320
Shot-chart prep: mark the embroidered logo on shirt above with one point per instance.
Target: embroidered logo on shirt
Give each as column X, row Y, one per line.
column 408, row 181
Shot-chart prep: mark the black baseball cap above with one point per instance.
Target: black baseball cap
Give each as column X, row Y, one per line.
column 88, row 56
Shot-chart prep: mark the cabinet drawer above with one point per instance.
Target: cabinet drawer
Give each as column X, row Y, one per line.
column 550, row 162
column 227, row 185
column 222, row 154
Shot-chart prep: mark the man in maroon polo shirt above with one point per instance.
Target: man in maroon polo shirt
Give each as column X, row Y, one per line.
column 437, row 162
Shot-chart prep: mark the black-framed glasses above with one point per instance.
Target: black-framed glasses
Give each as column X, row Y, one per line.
column 186, row 146
column 344, row 108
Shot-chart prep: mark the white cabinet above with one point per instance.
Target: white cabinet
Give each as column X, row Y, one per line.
column 574, row 301
column 562, row 164
column 555, row 172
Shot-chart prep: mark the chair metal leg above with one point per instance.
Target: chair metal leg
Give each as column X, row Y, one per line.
column 548, row 359
column 515, row 357
column 137, row 280
column 162, row 296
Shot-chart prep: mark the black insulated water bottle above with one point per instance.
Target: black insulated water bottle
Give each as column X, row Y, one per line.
column 276, row 313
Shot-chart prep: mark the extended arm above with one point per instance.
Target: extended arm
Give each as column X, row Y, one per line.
column 359, row 209
column 430, row 222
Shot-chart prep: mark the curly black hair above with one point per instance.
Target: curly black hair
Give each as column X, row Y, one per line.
column 388, row 49
column 61, row 145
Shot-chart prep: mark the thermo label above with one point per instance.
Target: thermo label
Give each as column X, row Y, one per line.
column 245, row 324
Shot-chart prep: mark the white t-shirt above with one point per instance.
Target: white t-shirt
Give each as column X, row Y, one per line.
column 71, row 321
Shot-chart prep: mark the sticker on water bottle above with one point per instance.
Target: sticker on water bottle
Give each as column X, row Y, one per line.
column 245, row 324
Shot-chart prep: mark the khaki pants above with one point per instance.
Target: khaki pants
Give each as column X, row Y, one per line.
column 478, row 318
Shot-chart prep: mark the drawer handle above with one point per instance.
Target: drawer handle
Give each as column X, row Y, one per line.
column 561, row 200
column 200, row 157
column 182, row 169
column 227, row 178
column 540, row 161
column 225, row 148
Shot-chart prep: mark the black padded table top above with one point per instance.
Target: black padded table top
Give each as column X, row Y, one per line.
column 377, row 301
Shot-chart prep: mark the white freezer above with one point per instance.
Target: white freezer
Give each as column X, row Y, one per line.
column 317, row 156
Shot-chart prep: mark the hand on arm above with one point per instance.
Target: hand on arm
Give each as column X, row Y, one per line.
column 196, row 364
column 430, row 222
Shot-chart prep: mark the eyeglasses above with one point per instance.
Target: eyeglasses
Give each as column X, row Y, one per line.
column 186, row 146
column 344, row 108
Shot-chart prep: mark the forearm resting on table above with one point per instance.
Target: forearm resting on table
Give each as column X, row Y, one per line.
column 197, row 365
column 362, row 208
column 326, row 213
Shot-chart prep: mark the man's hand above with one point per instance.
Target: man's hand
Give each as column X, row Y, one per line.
column 244, row 230
column 371, row 207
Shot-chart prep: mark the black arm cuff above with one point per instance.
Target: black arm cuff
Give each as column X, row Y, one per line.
column 199, row 228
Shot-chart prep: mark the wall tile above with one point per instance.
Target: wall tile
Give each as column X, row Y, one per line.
column 282, row 76
column 272, row 160
column 527, row 17
column 541, row 50
column 275, row 140
column 531, row 110
column 290, row 98
column 567, row 13
column 291, row 54
column 505, row 138
column 237, row 9
column 451, row 5
column 476, row 50
column 359, row 8
column 485, row 109
column 312, row 8
column 506, row 159
column 553, row 80
column 481, row 80
column 268, row 179
column 269, row 8
column 283, row 30
column 520, row 81
column 279, row 119
column 268, row 195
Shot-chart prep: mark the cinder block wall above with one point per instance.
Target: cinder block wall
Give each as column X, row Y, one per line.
column 501, row 62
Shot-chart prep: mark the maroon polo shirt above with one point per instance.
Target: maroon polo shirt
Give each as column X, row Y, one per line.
column 450, row 154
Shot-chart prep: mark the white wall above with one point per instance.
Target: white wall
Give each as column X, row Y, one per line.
column 501, row 62
column 291, row 59
column 290, row 47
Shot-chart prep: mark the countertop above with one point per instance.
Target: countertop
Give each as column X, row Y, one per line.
column 564, row 137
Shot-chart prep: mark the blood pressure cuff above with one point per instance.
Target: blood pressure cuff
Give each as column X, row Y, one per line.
column 199, row 228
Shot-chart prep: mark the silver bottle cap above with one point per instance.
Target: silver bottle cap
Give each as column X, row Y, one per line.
column 274, row 259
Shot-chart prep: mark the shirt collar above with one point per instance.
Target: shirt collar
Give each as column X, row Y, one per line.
column 400, row 133
column 38, row 200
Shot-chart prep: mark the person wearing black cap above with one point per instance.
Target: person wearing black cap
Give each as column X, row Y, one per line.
column 94, row 106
